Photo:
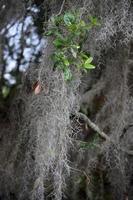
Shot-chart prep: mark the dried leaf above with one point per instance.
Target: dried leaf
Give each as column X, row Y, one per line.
column 37, row 87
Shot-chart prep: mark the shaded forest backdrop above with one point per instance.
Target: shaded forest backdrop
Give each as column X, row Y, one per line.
column 66, row 140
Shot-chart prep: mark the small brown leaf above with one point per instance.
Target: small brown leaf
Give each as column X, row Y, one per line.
column 37, row 87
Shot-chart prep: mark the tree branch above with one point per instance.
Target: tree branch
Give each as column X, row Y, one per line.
column 59, row 13
column 101, row 133
column 93, row 126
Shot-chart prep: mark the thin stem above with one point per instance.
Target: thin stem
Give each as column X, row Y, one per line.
column 93, row 126
column 62, row 6
column 101, row 133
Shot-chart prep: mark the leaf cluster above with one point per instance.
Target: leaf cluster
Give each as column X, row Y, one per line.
column 70, row 32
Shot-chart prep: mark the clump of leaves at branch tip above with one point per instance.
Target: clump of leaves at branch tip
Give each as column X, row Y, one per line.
column 70, row 31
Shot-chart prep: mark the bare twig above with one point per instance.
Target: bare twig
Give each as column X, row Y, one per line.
column 59, row 13
column 93, row 126
column 101, row 133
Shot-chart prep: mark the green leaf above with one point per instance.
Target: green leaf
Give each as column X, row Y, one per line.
column 72, row 28
column 88, row 66
column 82, row 23
column 92, row 66
column 67, row 74
column 94, row 21
column 58, row 34
column 66, row 62
column 89, row 60
column 5, row 91
column 85, row 70
column 58, row 43
column 69, row 19
column 84, row 56
column 75, row 46
column 74, row 53
column 49, row 33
